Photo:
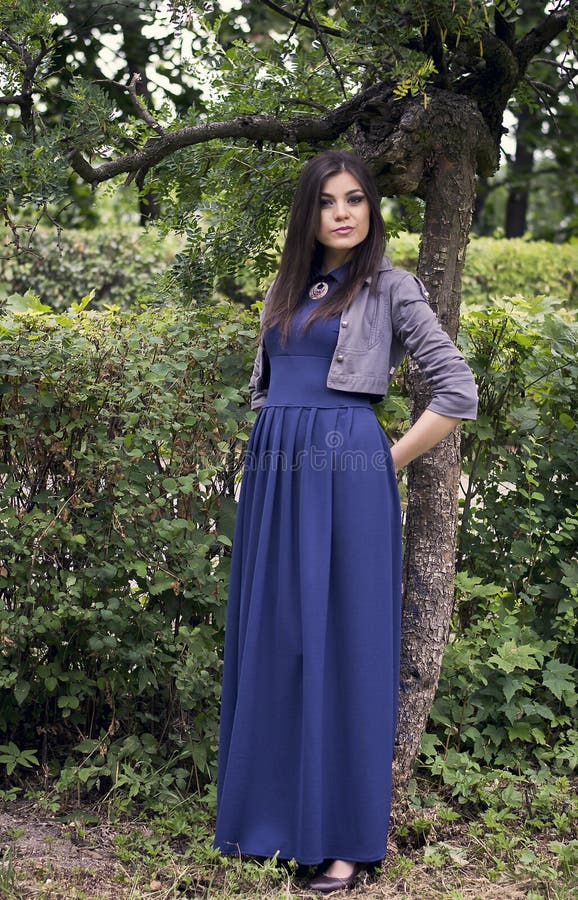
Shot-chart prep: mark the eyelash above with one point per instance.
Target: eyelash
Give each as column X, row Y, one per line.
column 356, row 200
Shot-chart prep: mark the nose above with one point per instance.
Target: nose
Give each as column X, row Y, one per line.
column 340, row 210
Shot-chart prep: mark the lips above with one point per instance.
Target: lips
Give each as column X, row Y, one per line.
column 345, row 230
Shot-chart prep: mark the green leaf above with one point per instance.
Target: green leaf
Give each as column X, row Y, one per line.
column 79, row 307
column 429, row 743
column 27, row 303
column 559, row 678
column 21, row 691
column 520, row 731
column 511, row 656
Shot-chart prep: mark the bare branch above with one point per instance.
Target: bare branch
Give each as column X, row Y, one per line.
column 300, row 101
column 140, row 108
column 323, row 42
column 298, row 19
column 12, row 98
column 542, row 91
column 541, row 36
column 555, row 90
column 555, row 63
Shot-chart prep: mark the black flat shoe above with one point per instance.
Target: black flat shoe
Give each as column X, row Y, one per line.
column 327, row 884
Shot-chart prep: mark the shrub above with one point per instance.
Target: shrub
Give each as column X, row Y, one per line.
column 122, row 438
column 120, row 445
column 507, row 695
column 122, row 265
column 118, row 264
column 500, row 268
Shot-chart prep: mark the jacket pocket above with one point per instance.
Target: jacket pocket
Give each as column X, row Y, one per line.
column 380, row 316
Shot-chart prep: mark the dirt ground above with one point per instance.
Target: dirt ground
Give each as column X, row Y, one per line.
column 51, row 861
column 42, row 857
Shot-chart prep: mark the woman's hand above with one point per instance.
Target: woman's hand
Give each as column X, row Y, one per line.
column 429, row 430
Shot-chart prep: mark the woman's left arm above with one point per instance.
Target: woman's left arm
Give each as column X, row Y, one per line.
column 429, row 430
column 454, row 394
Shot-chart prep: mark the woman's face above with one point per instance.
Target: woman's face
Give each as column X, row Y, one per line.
column 343, row 219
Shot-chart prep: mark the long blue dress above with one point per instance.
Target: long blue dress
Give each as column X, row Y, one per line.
column 313, row 621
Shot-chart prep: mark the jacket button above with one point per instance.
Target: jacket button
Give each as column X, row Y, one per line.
column 339, row 357
column 344, row 324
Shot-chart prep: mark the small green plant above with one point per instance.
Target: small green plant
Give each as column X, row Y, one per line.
column 401, row 868
column 7, row 875
column 567, row 854
column 414, row 833
column 11, row 756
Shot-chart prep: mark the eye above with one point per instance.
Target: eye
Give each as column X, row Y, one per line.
column 324, row 202
column 356, row 199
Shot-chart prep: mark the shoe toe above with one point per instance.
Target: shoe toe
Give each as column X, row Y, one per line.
column 327, row 884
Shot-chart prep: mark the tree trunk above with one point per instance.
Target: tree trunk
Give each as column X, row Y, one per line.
column 519, row 177
column 479, row 224
column 429, row 562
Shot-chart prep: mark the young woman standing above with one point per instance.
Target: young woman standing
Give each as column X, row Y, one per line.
column 313, row 623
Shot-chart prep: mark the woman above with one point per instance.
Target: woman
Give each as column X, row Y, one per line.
column 313, row 622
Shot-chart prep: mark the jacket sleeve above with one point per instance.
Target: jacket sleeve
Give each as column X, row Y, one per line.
column 454, row 391
column 260, row 376
column 259, row 380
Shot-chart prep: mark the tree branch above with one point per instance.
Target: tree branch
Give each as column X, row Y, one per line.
column 13, row 98
column 251, row 127
column 323, row 42
column 257, row 127
column 539, row 37
column 29, row 66
column 299, row 20
column 141, row 110
column 300, row 101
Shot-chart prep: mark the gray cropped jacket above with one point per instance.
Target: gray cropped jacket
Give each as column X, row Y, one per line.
column 377, row 329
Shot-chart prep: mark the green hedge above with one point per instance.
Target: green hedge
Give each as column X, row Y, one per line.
column 508, row 691
column 119, row 263
column 122, row 265
column 120, row 446
column 502, row 268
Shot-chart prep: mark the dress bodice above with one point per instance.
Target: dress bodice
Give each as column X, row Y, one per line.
column 317, row 340
column 299, row 369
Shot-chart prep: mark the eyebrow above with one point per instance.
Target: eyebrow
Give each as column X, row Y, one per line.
column 348, row 193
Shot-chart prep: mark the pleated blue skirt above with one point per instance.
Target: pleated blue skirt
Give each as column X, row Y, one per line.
column 311, row 667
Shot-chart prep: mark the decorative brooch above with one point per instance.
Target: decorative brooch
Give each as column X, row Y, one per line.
column 317, row 291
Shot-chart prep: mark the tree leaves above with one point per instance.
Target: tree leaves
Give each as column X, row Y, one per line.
column 560, row 679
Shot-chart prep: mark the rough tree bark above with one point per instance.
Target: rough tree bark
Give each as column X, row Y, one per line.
column 458, row 137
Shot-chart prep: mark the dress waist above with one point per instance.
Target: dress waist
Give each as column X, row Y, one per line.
column 302, row 381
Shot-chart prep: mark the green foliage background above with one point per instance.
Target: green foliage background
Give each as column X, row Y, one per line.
column 507, row 696
column 122, row 437
column 118, row 264
column 125, row 265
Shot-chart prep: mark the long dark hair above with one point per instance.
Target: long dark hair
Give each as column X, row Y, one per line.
column 302, row 248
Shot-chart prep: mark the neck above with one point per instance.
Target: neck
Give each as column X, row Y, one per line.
column 332, row 259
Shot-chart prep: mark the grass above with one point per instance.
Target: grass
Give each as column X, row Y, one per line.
column 438, row 851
